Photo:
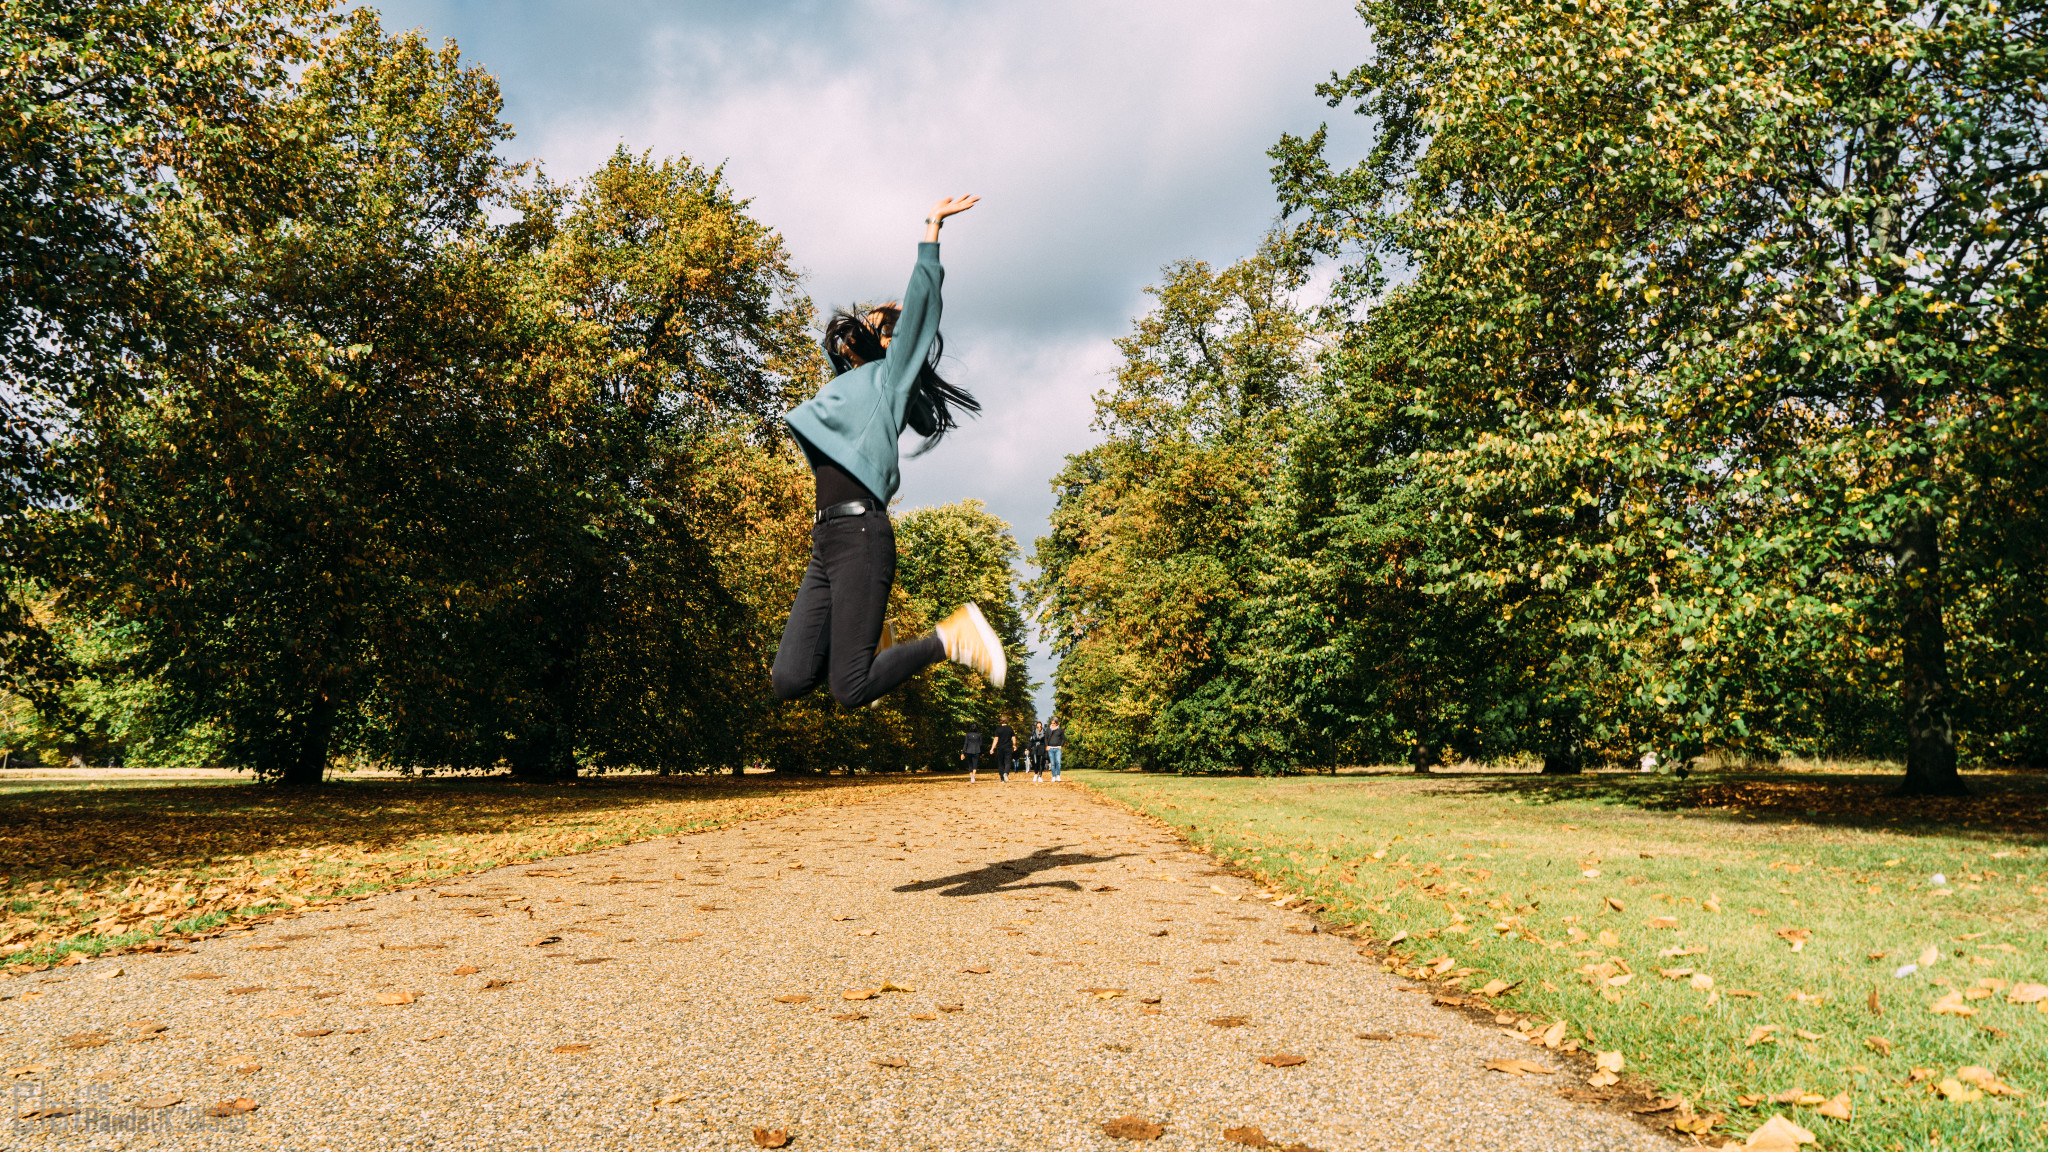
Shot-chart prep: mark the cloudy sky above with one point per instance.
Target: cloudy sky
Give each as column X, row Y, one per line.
column 1105, row 137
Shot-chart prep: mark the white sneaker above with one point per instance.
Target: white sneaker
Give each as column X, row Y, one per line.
column 970, row 641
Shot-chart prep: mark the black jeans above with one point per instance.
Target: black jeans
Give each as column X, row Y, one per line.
column 837, row 617
column 1002, row 764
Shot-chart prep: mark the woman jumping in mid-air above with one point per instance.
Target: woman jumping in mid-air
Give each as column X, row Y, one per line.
column 886, row 380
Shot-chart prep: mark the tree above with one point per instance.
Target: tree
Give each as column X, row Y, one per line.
column 280, row 516
column 1753, row 294
column 1153, row 551
column 114, row 110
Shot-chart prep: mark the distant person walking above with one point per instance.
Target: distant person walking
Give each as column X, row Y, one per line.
column 1006, row 746
column 1055, row 740
column 970, row 750
column 884, row 359
column 1037, row 753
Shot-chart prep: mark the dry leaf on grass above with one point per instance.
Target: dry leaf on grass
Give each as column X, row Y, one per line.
column 164, row 1101
column 393, row 999
column 1615, row 904
column 890, row 1062
column 892, row 986
column 792, row 999
column 239, row 1106
column 1133, row 1128
column 1839, row 1108
column 1663, row 922
column 2027, row 994
column 1283, row 1060
column 1777, row 1135
column 763, row 1138
column 1761, row 1034
column 1987, row 1080
column 1517, row 1067
column 860, row 994
column 1697, row 1125
column 1497, row 987
column 467, row 970
column 569, row 1049
column 1796, row 937
column 1951, row 1005
column 1553, row 1035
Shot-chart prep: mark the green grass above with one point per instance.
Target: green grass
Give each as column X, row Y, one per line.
column 1490, row 871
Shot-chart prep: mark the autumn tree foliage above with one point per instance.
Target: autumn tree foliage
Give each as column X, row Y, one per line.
column 422, row 458
column 1685, row 389
column 1155, row 550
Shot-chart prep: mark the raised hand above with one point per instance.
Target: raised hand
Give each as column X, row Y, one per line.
column 950, row 206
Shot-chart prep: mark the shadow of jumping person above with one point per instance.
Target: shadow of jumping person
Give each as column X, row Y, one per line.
column 1003, row 876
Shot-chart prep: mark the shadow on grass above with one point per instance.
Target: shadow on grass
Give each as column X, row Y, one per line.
column 2005, row 804
column 155, row 824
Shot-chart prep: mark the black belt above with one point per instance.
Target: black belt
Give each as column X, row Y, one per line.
column 850, row 508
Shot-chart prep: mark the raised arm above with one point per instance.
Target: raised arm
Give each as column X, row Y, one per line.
column 950, row 206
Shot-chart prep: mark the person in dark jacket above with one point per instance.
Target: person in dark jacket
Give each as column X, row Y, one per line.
column 1037, row 753
column 970, row 750
column 1005, row 747
column 1055, row 741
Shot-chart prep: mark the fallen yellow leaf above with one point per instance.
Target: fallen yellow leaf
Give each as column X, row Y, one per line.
column 1777, row 1135
column 1951, row 1005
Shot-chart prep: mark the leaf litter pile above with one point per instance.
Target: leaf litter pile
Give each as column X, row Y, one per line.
column 1875, row 971
column 147, row 866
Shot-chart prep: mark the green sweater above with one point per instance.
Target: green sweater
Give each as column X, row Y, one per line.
column 858, row 416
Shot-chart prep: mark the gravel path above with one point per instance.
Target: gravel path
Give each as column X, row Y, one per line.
column 1062, row 965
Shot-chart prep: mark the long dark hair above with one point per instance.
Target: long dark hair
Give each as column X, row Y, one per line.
column 849, row 336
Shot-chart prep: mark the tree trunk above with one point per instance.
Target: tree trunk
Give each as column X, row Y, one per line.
column 1423, row 757
column 309, row 766
column 1928, row 699
column 1565, row 759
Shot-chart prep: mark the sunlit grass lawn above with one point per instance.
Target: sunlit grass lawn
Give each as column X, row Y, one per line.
column 85, row 868
column 1556, row 883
